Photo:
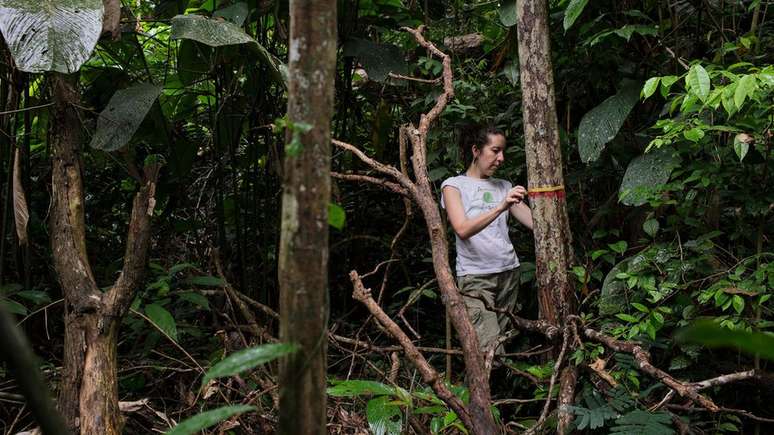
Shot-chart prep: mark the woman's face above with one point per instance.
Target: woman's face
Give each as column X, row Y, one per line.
column 490, row 156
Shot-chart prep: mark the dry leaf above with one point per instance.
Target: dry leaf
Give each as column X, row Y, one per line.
column 20, row 212
column 132, row 406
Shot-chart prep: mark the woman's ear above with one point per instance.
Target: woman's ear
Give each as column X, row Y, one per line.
column 475, row 151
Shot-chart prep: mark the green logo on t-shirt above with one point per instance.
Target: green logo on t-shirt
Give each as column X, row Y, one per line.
column 488, row 198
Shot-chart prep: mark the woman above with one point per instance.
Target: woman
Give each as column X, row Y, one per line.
column 477, row 205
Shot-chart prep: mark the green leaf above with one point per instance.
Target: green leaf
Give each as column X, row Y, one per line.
column 123, row 115
column 639, row 422
column 602, row 123
column 14, row 307
column 651, row 227
column 378, row 59
column 698, row 81
column 507, row 13
column 219, row 33
column 247, row 359
column 639, row 307
column 384, row 418
column 645, row 175
column 37, row 297
column 206, row 281
column 51, row 35
column 741, row 146
column 619, row 246
column 196, row 299
column 627, row 318
column 573, row 11
column 745, row 87
column 711, row 334
column 694, row 135
column 236, row 13
column 206, row 419
column 162, row 319
column 650, row 87
column 336, row 216
column 359, row 388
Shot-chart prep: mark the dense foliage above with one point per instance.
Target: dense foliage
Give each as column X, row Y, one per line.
column 666, row 112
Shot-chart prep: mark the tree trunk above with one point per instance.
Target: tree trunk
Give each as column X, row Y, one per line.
column 88, row 397
column 553, row 249
column 303, row 258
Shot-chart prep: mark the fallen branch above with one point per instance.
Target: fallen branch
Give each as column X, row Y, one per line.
column 429, row 374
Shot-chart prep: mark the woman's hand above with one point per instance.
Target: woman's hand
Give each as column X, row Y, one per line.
column 513, row 197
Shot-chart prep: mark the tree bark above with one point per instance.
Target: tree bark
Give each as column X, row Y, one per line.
column 88, row 397
column 303, row 258
column 553, row 249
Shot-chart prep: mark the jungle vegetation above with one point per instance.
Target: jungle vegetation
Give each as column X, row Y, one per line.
column 222, row 216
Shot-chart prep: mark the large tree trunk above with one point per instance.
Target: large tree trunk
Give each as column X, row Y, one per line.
column 303, row 257
column 553, row 249
column 88, row 397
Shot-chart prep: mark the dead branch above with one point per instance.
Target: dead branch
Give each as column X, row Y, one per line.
column 643, row 361
column 373, row 180
column 429, row 374
column 422, row 193
column 551, row 383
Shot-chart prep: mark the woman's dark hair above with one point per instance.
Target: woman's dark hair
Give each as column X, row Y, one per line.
column 475, row 135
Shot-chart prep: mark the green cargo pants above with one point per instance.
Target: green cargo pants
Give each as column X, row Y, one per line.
column 500, row 290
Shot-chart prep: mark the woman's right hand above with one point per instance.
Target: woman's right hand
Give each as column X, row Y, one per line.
column 514, row 196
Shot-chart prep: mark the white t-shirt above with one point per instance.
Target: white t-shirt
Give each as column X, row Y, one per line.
column 491, row 250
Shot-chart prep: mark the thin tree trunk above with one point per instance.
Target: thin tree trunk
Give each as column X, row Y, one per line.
column 303, row 254
column 88, row 398
column 553, row 249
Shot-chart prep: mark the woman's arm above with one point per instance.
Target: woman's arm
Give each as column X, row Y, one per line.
column 466, row 228
column 522, row 213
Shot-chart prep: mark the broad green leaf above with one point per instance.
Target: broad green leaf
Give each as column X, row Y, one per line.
column 336, row 216
column 51, row 35
column 573, row 11
column 694, row 135
column 206, row 281
column 196, row 299
column 698, row 81
column 741, row 147
column 359, row 388
column 236, row 13
column 645, row 174
column 162, row 319
column 378, row 59
column 14, row 307
column 651, row 227
column 508, row 13
column 745, row 87
column 219, row 33
column 37, row 297
column 123, row 115
column 601, row 124
column 384, row 418
column 711, row 334
column 727, row 98
column 650, row 87
column 247, row 359
column 206, row 419
column 619, row 246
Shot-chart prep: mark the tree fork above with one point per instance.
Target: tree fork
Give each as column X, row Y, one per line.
column 88, row 398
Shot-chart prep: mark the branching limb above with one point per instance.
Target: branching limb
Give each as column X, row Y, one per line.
column 429, row 374
column 389, row 185
column 557, row 365
column 643, row 361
